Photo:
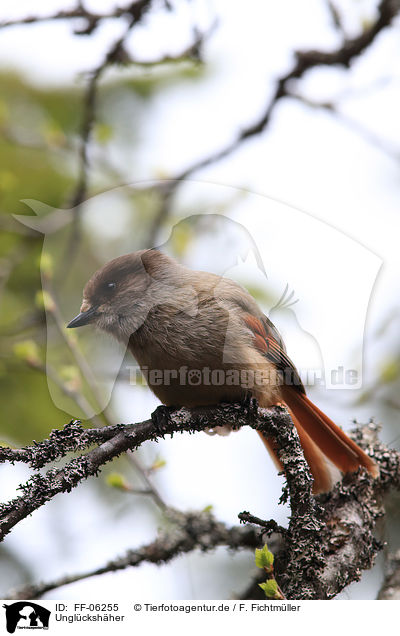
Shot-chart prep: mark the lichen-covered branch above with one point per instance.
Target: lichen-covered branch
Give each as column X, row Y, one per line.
column 326, row 550
column 190, row 531
column 329, row 539
column 111, row 441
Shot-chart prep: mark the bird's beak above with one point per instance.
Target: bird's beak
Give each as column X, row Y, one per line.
column 84, row 318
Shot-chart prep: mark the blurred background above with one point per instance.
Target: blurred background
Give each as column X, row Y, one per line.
column 162, row 126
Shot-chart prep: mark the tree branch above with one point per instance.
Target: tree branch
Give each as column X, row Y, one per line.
column 191, row 531
column 112, row 441
column 329, row 540
column 91, row 18
column 304, row 61
column 116, row 54
column 390, row 589
column 337, row 543
column 368, row 135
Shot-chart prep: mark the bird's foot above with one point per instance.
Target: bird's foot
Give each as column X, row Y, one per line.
column 161, row 418
column 249, row 404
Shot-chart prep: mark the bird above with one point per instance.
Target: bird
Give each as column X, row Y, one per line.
column 198, row 338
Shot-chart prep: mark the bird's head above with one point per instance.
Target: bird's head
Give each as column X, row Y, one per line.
column 118, row 296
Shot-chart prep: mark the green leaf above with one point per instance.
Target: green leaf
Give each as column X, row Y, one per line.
column 44, row 300
column 5, row 444
column 46, row 264
column 390, row 371
column 208, row 508
column 116, row 480
column 72, row 377
column 158, row 463
column 103, row 133
column 270, row 588
column 264, row 558
column 29, row 351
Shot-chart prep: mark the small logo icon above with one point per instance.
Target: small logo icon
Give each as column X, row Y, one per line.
column 26, row 615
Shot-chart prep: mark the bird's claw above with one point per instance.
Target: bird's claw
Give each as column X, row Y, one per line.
column 161, row 418
column 250, row 404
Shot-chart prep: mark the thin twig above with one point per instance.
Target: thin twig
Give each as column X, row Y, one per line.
column 114, row 55
column 268, row 526
column 191, row 531
column 79, row 12
column 304, row 61
column 369, row 136
column 151, row 489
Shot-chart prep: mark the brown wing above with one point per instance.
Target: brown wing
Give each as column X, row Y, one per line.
column 268, row 341
column 318, row 434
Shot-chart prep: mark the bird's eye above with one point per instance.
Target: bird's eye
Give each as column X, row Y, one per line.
column 110, row 286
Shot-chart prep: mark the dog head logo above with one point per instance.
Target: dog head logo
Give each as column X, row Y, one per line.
column 26, row 615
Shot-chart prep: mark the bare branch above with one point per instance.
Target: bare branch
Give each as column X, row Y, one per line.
column 91, row 18
column 191, row 531
column 114, row 55
column 390, row 589
column 304, row 61
column 150, row 490
column 117, row 54
column 335, row 16
column 268, row 526
column 369, row 136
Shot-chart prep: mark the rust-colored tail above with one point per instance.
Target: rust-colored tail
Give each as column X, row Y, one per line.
column 322, row 439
